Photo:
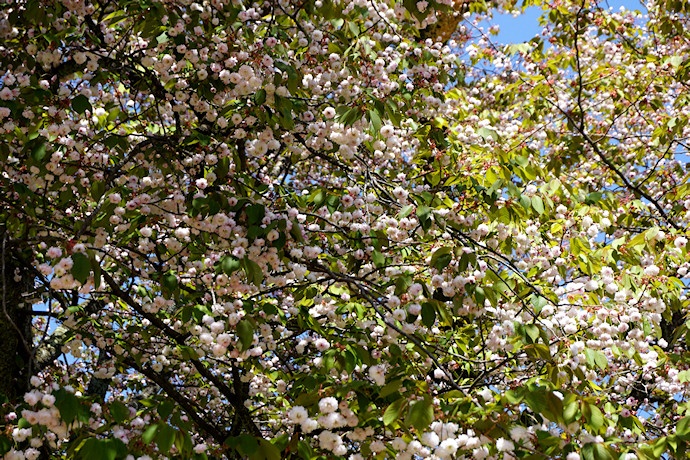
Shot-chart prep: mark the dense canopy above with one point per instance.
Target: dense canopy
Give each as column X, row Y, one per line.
column 343, row 229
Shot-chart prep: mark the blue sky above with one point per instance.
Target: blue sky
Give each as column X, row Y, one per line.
column 516, row 29
column 526, row 26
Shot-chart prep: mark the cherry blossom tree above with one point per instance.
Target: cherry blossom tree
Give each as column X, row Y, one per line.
column 343, row 229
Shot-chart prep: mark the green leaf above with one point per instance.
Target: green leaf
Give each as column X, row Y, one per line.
column 441, row 258
column 593, row 451
column 67, row 404
column 307, row 399
column 351, row 116
column 434, row 178
column 538, row 205
column 318, row 197
column 112, row 141
column 378, row 258
column 38, row 149
column 596, row 358
column 165, row 409
column 594, row 416
column 81, row 104
column 659, row 447
column 421, row 414
column 5, row 445
column 304, row 449
column 260, row 97
column 248, row 444
column 297, row 233
column 198, row 203
column 165, row 437
column 222, row 168
column 253, row 271
column 593, row 197
column 281, row 442
column 393, row 411
column 81, row 269
column 536, row 400
column 683, row 428
column 539, row 303
column 183, row 443
column 542, row 351
column 513, row 397
column 393, row 112
column 532, row 331
column 102, row 449
column 428, row 314
column 119, row 411
column 245, row 332
column 390, row 388
column 266, row 451
column 23, row 423
column 187, row 352
column 351, row 361
column 554, row 407
column 230, row 264
column 150, row 433
column 423, row 212
column 570, row 411
column 487, row 133
column 97, row 190
column 255, row 213
column 375, row 120
column 479, row 295
column 588, row 451
column 293, row 77
column 405, row 211
column 169, row 282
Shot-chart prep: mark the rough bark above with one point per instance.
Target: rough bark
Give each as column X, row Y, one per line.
column 51, row 348
column 15, row 328
column 447, row 23
column 97, row 386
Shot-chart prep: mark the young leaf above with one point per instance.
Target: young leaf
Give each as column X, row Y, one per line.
column 375, row 120
column 245, row 332
column 683, row 428
column 421, row 414
column 538, row 205
column 393, row 411
column 150, row 433
column 594, row 416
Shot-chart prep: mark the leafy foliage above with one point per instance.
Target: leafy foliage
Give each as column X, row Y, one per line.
column 344, row 230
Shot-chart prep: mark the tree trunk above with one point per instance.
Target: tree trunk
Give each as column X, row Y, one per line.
column 15, row 328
